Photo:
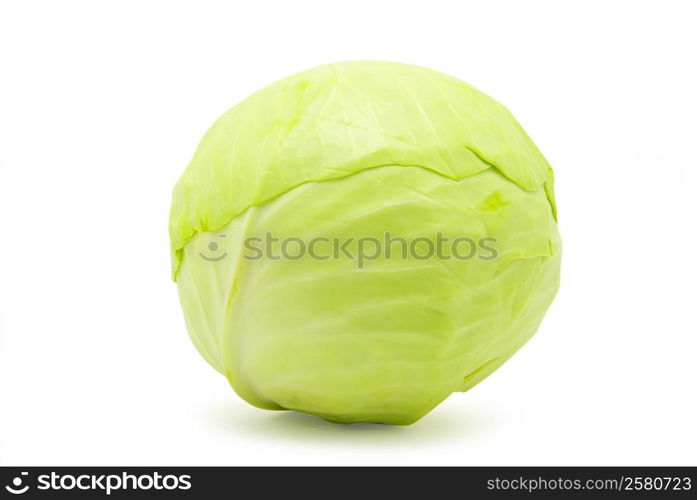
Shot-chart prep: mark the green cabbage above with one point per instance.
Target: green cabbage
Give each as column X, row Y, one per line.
column 358, row 150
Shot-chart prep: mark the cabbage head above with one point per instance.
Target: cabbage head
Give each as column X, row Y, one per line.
column 352, row 153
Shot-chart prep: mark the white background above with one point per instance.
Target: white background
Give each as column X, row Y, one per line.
column 101, row 107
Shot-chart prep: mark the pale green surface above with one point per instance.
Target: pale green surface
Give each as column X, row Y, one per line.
column 357, row 149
